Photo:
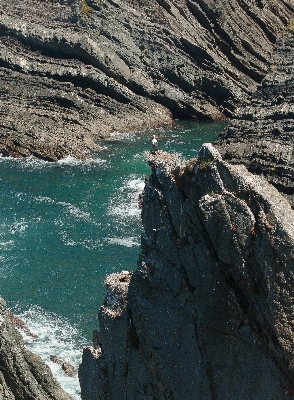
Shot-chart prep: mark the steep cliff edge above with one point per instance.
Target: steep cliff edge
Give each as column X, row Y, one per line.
column 208, row 314
column 261, row 133
column 23, row 375
column 72, row 71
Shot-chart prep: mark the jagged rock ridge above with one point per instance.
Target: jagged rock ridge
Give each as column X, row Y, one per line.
column 208, row 313
column 68, row 79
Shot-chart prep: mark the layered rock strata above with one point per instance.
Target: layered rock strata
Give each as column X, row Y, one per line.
column 72, row 71
column 23, row 375
column 208, row 314
column 261, row 133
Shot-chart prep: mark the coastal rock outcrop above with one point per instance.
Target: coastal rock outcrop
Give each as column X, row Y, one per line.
column 261, row 133
column 73, row 71
column 68, row 368
column 23, row 375
column 208, row 314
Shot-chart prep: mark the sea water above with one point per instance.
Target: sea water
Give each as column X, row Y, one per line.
column 64, row 226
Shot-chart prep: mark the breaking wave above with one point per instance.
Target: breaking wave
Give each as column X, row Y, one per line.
column 56, row 336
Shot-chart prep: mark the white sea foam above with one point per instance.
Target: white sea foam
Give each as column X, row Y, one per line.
column 74, row 211
column 89, row 244
column 6, row 244
column 58, row 337
column 137, row 184
column 37, row 163
column 69, row 160
column 124, row 211
column 44, row 199
column 18, row 226
column 140, row 156
column 123, row 136
column 124, row 205
column 125, row 241
column 26, row 161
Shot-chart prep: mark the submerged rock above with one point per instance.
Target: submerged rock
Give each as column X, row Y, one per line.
column 55, row 359
column 72, row 71
column 208, row 312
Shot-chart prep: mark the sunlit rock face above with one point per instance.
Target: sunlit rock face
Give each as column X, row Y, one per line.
column 73, row 71
column 261, row 133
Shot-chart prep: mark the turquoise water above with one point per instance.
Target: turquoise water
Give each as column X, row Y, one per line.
column 64, row 226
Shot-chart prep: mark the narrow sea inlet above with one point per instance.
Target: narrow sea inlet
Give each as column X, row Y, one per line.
column 64, row 226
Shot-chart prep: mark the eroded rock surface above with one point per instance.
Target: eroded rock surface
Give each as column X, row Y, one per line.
column 68, row 368
column 208, row 314
column 261, row 133
column 69, row 77
column 23, row 375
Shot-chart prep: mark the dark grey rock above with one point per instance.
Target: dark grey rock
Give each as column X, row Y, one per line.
column 208, row 312
column 68, row 79
column 261, row 133
column 210, row 306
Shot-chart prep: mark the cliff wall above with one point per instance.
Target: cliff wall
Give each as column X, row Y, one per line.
column 73, row 71
column 208, row 314
column 260, row 135
column 23, row 375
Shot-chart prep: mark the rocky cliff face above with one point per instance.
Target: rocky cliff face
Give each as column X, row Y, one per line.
column 260, row 135
column 23, row 375
column 208, row 314
column 73, row 71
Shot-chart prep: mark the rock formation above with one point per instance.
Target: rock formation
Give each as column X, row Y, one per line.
column 72, row 71
column 18, row 323
column 261, row 133
column 208, row 314
column 68, row 368
column 23, row 375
